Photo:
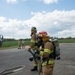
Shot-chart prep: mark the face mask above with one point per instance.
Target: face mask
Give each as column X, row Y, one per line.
column 40, row 41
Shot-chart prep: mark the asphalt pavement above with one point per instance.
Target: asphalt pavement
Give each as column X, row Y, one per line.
column 16, row 61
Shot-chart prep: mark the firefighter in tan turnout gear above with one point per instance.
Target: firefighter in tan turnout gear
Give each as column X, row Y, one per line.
column 45, row 52
column 19, row 44
column 33, row 46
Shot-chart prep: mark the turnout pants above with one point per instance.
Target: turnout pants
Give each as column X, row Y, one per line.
column 48, row 69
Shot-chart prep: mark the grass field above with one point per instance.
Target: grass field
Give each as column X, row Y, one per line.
column 67, row 41
column 7, row 44
column 10, row 44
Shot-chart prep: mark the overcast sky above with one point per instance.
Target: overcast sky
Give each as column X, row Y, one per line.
column 56, row 17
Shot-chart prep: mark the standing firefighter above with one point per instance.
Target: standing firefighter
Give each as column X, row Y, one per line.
column 46, row 53
column 19, row 44
column 33, row 46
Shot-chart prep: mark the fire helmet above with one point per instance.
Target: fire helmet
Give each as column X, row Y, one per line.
column 44, row 35
column 33, row 29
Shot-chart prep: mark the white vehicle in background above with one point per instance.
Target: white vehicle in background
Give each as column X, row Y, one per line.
column 1, row 40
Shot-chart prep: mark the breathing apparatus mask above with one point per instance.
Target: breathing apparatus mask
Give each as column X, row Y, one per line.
column 39, row 41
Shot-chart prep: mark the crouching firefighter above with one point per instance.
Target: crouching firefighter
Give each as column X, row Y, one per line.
column 47, row 54
column 33, row 46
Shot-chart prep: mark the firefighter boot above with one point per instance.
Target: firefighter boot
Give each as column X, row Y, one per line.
column 34, row 69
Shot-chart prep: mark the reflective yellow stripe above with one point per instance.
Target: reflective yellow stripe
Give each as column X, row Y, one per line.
column 48, row 51
column 45, row 50
column 41, row 53
column 35, row 47
column 35, row 64
column 49, row 62
column 36, row 41
column 40, row 47
column 32, row 41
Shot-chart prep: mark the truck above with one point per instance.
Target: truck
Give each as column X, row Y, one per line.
column 1, row 40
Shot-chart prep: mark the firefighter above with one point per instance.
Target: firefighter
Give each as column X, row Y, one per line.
column 19, row 44
column 45, row 52
column 33, row 45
